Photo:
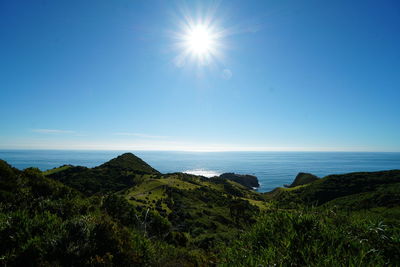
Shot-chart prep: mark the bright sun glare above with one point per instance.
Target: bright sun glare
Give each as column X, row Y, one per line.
column 200, row 40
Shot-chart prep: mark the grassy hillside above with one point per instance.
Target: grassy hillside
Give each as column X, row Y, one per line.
column 303, row 179
column 381, row 188
column 315, row 237
column 205, row 210
column 114, row 175
column 129, row 163
column 125, row 213
column 45, row 223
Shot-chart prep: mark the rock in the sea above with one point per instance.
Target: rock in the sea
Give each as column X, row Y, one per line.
column 247, row 180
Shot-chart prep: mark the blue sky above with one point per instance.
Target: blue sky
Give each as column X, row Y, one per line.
column 286, row 75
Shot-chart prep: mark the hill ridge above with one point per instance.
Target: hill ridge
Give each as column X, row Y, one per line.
column 130, row 162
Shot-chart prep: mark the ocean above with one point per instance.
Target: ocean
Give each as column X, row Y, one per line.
column 273, row 169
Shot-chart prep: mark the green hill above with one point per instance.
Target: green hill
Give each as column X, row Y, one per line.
column 205, row 209
column 114, row 175
column 125, row 213
column 250, row 181
column 303, row 178
column 129, row 163
column 377, row 185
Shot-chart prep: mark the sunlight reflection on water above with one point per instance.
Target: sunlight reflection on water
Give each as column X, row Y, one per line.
column 203, row 172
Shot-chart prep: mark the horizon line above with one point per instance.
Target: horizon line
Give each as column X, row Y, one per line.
column 199, row 150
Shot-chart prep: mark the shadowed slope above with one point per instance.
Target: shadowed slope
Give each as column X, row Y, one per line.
column 303, row 178
column 129, row 162
column 117, row 174
column 249, row 181
column 350, row 185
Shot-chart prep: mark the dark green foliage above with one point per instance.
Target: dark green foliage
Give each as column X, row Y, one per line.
column 131, row 163
column 336, row 186
column 242, row 210
column 315, row 238
column 303, row 178
column 230, row 189
column 112, row 176
column 130, row 215
column 6, row 171
column 177, row 238
column 119, row 209
column 45, row 223
column 8, row 185
column 157, row 225
column 383, row 196
column 249, row 181
column 45, row 239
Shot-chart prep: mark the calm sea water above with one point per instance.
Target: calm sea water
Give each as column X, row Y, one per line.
column 273, row 169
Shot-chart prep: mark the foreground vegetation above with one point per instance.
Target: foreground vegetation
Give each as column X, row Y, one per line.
column 125, row 213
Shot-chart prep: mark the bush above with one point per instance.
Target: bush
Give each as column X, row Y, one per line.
column 310, row 238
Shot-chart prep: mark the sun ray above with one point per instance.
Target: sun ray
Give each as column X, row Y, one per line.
column 199, row 39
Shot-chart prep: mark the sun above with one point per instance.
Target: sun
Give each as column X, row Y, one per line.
column 200, row 40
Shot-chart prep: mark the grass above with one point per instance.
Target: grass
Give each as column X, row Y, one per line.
column 55, row 170
column 131, row 217
column 315, row 237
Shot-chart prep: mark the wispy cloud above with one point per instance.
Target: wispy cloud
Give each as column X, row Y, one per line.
column 141, row 135
column 52, row 131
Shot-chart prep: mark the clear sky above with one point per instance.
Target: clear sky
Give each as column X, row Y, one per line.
column 278, row 75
